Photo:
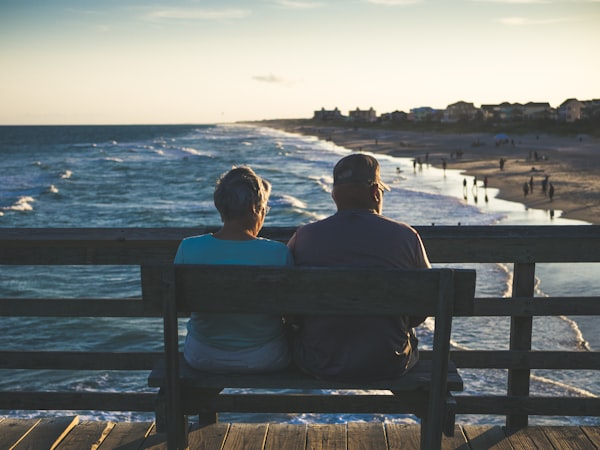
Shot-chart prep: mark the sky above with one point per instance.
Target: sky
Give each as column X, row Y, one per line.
column 215, row 61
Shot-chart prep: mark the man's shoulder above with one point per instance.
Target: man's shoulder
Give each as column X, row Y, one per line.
column 375, row 220
column 395, row 223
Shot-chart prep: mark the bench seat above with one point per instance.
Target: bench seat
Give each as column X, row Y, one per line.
column 419, row 377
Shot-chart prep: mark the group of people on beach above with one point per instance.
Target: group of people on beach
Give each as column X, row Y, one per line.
column 547, row 187
column 357, row 235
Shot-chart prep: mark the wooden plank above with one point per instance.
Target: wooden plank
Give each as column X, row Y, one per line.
column 593, row 434
column 537, row 306
column 417, row 377
column 286, row 436
column 529, row 438
column 510, row 243
column 154, row 440
column 568, row 438
column 86, row 435
column 74, row 307
column 246, row 436
column 78, row 360
column 366, row 436
column 403, row 436
column 273, row 403
column 444, row 244
column 484, row 437
column 520, row 339
column 327, row 437
column 543, row 406
column 299, row 290
column 208, row 437
column 95, row 401
column 523, row 359
column 126, row 436
column 456, row 442
column 13, row 430
column 133, row 307
column 48, row 433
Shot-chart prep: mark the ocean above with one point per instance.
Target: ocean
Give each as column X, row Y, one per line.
column 163, row 176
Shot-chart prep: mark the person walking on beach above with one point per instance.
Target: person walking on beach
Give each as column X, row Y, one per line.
column 525, row 189
column 531, row 184
column 551, row 191
column 545, row 185
column 357, row 235
column 236, row 343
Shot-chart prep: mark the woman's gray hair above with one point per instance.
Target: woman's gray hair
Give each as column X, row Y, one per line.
column 240, row 191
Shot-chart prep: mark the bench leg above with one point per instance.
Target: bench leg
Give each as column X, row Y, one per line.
column 430, row 439
column 450, row 415
column 208, row 417
column 431, row 434
column 177, row 432
column 176, row 424
column 160, row 412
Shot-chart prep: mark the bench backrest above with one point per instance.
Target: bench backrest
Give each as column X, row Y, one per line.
column 307, row 290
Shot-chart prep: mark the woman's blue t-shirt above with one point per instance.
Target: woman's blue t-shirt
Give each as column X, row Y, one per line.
column 233, row 331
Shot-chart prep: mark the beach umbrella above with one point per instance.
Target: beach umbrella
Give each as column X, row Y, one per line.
column 501, row 137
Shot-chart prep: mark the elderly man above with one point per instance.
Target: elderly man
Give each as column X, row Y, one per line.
column 357, row 235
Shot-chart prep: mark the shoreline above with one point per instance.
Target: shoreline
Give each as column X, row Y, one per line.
column 571, row 164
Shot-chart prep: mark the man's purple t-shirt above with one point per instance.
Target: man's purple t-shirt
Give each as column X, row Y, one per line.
column 357, row 347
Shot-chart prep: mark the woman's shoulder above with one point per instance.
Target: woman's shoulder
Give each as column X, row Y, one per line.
column 268, row 243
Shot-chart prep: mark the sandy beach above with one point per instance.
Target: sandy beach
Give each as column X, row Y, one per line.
column 572, row 164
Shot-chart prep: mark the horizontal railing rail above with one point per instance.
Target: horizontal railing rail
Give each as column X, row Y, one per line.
column 521, row 246
column 445, row 244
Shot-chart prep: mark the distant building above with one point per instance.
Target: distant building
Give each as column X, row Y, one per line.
column 503, row 112
column 591, row 110
column 425, row 114
column 460, row 111
column 489, row 112
column 360, row 115
column 324, row 114
column 394, row 117
column 537, row 111
column 570, row 110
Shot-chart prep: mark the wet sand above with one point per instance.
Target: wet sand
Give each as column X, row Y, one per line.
column 572, row 164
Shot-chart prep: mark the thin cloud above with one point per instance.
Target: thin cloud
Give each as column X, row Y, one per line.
column 516, row 2
column 290, row 4
column 523, row 21
column 273, row 79
column 196, row 14
column 533, row 2
column 394, row 2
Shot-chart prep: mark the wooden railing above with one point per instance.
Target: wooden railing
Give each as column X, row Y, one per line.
column 521, row 246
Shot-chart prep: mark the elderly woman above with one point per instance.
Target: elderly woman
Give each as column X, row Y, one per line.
column 226, row 342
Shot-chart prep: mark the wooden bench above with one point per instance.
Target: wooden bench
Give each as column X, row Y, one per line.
column 424, row 391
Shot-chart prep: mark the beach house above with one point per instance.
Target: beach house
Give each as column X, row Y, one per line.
column 570, row 110
column 360, row 115
column 460, row 111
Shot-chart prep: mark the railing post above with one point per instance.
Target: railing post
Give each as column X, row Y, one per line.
column 520, row 339
column 177, row 425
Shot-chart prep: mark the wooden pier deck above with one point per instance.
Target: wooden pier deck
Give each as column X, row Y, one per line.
column 69, row 433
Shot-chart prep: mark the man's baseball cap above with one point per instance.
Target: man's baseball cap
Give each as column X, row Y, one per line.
column 358, row 168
